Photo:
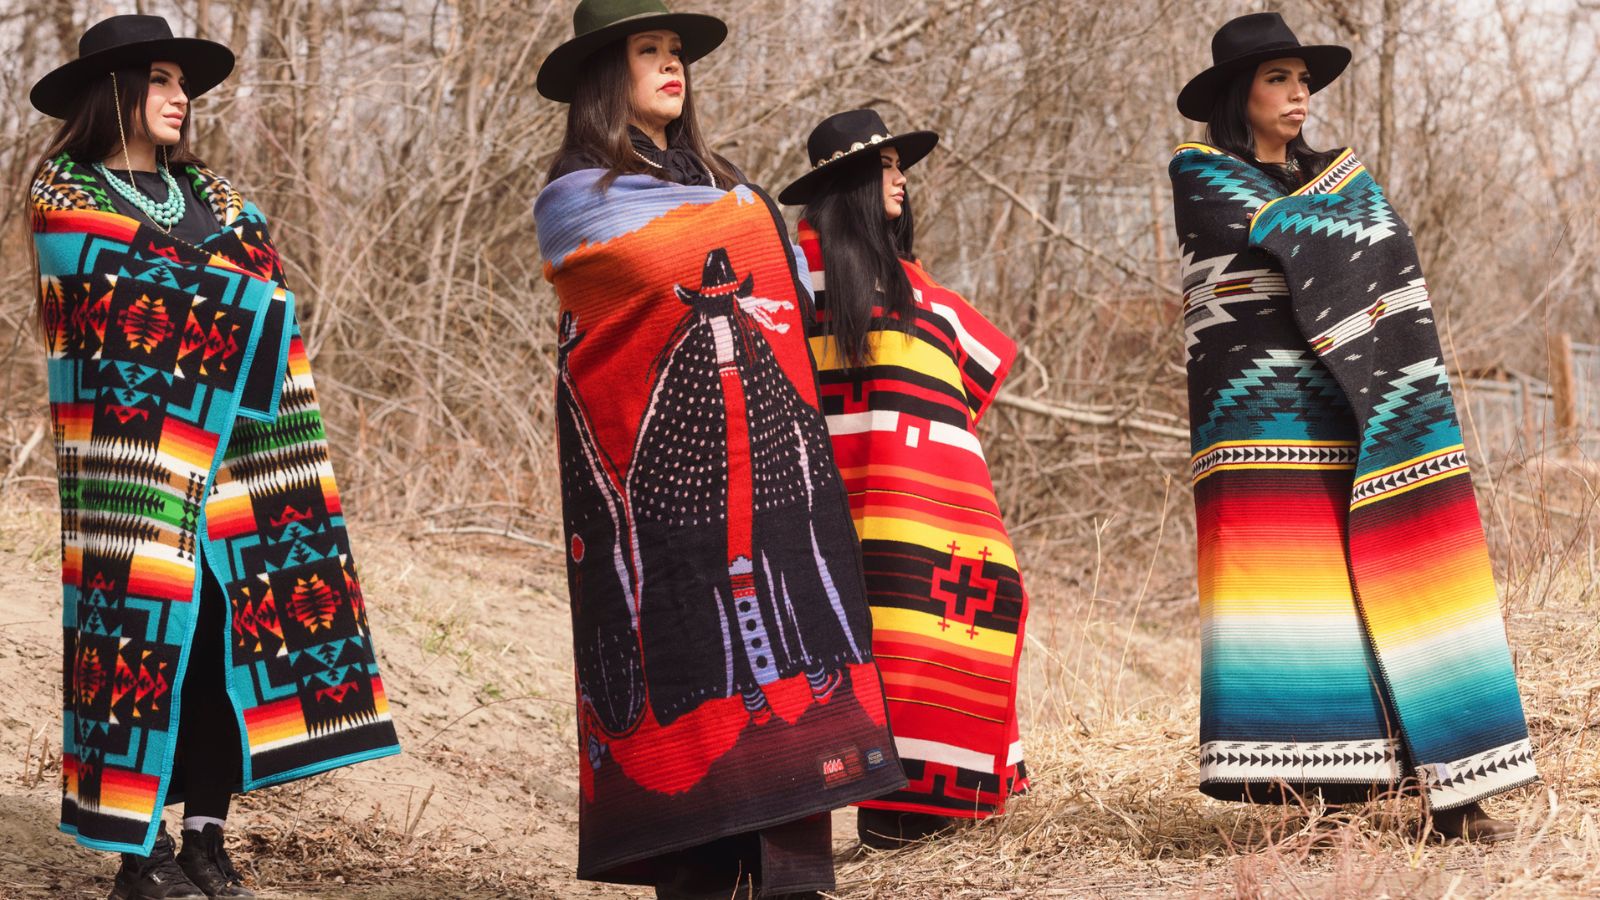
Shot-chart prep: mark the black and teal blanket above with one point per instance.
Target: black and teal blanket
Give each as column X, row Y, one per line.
column 1352, row 636
column 188, row 437
column 722, row 639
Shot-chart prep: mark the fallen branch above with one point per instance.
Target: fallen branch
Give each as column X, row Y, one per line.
column 1055, row 230
column 506, row 533
column 483, row 706
column 23, row 454
column 1085, row 417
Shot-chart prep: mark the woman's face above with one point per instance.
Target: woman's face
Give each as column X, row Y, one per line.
column 655, row 62
column 1280, row 100
column 166, row 104
column 894, row 183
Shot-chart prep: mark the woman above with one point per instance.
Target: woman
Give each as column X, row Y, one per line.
column 1353, row 642
column 908, row 368
column 202, row 542
column 727, row 698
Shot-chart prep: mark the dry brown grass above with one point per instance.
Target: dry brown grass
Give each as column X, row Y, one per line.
column 1111, row 695
column 1114, row 811
column 482, row 801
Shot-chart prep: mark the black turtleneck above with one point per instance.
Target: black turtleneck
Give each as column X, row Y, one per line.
column 677, row 163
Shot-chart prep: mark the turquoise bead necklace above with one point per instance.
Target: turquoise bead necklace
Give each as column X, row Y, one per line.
column 165, row 214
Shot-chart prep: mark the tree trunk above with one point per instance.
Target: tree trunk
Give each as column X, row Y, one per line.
column 1386, row 54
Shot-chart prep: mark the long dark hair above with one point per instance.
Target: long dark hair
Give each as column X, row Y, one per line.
column 1229, row 129
column 861, row 253
column 91, row 133
column 598, row 118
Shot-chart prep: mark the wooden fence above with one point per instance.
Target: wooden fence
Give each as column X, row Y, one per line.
column 1514, row 413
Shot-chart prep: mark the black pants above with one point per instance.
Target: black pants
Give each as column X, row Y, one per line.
column 208, row 758
column 791, row 859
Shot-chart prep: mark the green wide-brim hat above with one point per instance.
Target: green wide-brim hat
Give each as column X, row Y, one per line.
column 596, row 23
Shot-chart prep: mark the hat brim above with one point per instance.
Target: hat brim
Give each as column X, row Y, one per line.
column 1325, row 62
column 913, row 146
column 206, row 64
column 558, row 74
column 746, row 288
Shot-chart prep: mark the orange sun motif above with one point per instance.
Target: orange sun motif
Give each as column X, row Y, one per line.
column 313, row 603
column 145, row 323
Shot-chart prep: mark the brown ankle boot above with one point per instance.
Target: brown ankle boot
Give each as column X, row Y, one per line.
column 1471, row 823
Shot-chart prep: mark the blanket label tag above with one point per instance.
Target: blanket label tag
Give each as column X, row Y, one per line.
column 841, row 767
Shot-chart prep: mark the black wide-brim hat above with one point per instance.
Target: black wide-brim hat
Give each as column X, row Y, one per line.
column 596, row 23
column 126, row 41
column 717, row 280
column 1247, row 42
column 848, row 135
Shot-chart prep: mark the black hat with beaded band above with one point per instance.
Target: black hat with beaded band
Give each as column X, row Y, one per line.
column 126, row 41
column 848, row 135
column 596, row 23
column 1248, row 41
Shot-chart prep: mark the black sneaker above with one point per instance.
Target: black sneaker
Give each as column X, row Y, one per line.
column 154, row 877
column 206, row 862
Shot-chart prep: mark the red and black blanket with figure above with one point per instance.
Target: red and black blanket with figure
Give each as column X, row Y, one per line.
column 722, row 643
column 948, row 605
column 189, row 444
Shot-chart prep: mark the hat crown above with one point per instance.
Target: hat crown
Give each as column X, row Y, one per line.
column 843, row 132
column 597, row 23
column 1250, row 33
column 717, row 271
column 593, row 15
column 119, row 30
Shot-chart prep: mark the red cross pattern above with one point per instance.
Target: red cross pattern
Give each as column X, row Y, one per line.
column 963, row 589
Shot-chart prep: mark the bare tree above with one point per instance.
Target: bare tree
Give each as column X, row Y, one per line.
column 398, row 148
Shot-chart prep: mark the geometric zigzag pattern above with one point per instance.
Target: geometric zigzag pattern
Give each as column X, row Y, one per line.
column 1340, row 203
column 1286, row 394
column 1482, row 774
column 1330, row 179
column 1430, row 467
column 1418, row 560
column 1268, row 455
column 1214, row 173
column 1363, row 762
column 1415, row 416
column 1284, row 554
column 186, row 429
